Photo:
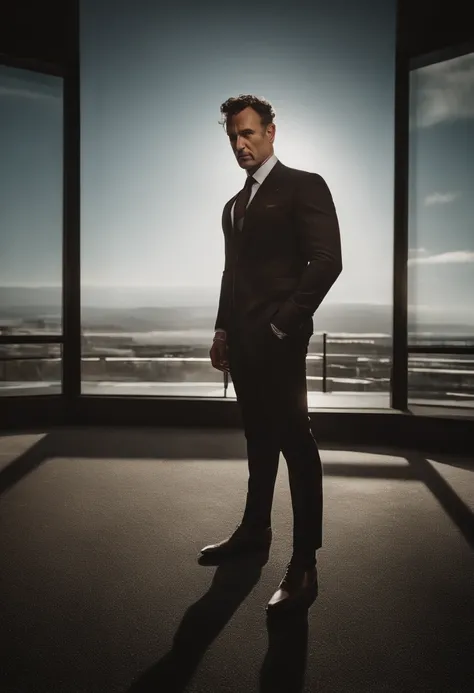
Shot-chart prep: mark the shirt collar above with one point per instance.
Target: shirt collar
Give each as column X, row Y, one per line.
column 262, row 172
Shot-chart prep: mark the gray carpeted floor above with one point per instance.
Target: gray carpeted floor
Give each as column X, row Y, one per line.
column 101, row 591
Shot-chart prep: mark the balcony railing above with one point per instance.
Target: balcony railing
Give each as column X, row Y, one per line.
column 335, row 364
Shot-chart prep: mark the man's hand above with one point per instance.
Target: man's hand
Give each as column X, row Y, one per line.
column 218, row 353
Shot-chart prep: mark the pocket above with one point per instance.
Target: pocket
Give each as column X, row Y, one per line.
column 275, row 338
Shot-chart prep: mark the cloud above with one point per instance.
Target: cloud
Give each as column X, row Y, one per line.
column 443, row 92
column 455, row 257
column 21, row 92
column 441, row 198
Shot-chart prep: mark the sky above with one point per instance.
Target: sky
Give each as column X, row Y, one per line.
column 157, row 168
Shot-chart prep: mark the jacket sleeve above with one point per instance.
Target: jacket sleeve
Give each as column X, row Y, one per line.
column 225, row 297
column 317, row 226
column 222, row 319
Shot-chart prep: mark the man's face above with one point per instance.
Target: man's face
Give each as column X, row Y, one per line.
column 251, row 142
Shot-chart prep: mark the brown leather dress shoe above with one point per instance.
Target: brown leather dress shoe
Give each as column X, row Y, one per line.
column 243, row 539
column 299, row 586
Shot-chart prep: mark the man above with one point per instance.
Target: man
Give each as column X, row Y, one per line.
column 282, row 255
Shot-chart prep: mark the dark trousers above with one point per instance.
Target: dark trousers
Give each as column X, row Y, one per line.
column 269, row 377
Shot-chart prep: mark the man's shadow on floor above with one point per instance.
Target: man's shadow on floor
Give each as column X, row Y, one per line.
column 284, row 666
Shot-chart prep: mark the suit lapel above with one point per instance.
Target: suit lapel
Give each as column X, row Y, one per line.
column 227, row 218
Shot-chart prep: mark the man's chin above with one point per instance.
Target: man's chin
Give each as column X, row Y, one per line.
column 245, row 162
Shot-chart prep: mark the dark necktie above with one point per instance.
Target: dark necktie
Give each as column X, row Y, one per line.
column 242, row 201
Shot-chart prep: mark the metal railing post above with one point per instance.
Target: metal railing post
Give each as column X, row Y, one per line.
column 226, row 383
column 325, row 388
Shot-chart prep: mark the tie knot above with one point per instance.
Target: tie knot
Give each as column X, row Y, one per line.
column 250, row 181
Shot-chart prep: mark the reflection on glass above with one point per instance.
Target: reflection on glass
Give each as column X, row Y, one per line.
column 31, row 186
column 30, row 369
column 441, row 234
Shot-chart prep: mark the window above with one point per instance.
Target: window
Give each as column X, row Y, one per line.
column 441, row 234
column 157, row 170
column 31, row 192
column 30, row 369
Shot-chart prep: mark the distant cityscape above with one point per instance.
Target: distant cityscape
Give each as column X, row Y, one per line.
column 169, row 345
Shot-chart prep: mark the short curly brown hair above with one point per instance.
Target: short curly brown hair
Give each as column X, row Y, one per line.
column 237, row 103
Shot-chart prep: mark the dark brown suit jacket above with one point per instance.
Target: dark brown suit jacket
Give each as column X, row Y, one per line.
column 282, row 264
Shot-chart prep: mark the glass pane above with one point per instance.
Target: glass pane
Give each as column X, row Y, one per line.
column 31, row 190
column 157, row 170
column 357, row 371
column 30, row 369
column 441, row 380
column 163, row 376
column 441, row 237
